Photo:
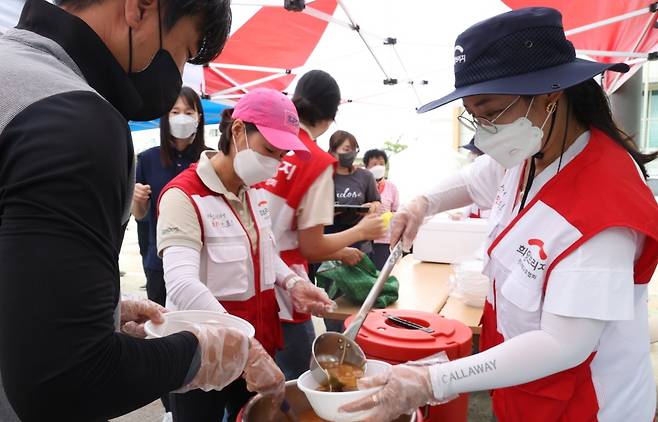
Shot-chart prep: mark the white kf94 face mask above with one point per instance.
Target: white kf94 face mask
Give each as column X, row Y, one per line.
column 378, row 171
column 512, row 143
column 182, row 126
column 253, row 167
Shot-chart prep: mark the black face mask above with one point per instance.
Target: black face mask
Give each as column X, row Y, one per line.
column 346, row 159
column 158, row 85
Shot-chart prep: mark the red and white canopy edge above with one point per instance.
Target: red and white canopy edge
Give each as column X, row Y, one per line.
column 272, row 47
column 608, row 31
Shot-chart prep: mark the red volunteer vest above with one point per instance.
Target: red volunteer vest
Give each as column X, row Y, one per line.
column 260, row 308
column 599, row 189
column 293, row 180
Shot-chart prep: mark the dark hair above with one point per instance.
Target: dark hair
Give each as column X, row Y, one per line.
column 215, row 21
column 225, row 125
column 592, row 109
column 374, row 153
column 316, row 97
column 198, row 145
column 339, row 137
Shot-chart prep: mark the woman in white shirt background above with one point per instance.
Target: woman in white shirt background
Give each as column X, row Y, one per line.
column 572, row 244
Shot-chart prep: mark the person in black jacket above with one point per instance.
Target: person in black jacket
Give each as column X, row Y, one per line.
column 72, row 74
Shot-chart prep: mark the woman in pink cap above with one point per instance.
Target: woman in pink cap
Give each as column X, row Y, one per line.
column 215, row 236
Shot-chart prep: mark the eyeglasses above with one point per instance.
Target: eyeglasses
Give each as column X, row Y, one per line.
column 480, row 122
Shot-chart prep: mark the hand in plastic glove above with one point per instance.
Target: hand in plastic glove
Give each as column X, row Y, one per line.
column 263, row 375
column 405, row 388
column 134, row 313
column 224, row 353
column 307, row 298
column 407, row 220
column 351, row 256
column 457, row 216
column 371, row 227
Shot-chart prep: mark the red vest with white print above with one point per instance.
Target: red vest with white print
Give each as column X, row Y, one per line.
column 599, row 189
column 287, row 190
column 241, row 279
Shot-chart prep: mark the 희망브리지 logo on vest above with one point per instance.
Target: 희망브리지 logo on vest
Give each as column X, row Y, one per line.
column 263, row 209
column 533, row 257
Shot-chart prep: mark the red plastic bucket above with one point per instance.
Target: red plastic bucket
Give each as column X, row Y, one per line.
column 383, row 339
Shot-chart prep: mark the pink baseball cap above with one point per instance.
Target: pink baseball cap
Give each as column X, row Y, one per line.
column 275, row 116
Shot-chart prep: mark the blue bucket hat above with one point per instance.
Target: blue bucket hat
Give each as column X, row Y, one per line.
column 521, row 52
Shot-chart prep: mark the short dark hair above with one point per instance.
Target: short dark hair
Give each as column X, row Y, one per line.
column 339, row 137
column 225, row 125
column 198, row 145
column 374, row 153
column 316, row 97
column 215, row 21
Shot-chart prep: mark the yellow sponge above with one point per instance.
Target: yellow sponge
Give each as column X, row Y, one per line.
column 386, row 217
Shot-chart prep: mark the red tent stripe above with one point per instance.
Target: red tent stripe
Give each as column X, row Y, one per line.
column 620, row 36
column 273, row 37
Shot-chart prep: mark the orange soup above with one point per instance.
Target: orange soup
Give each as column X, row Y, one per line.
column 345, row 373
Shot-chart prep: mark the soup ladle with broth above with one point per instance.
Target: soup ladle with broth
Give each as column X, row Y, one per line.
column 343, row 377
column 333, row 350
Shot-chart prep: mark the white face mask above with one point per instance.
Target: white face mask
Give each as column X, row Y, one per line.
column 182, row 126
column 513, row 143
column 253, row 167
column 378, row 171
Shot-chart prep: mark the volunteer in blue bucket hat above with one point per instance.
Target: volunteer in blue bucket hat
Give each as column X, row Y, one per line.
column 573, row 237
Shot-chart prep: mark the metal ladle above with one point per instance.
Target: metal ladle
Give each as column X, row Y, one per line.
column 335, row 348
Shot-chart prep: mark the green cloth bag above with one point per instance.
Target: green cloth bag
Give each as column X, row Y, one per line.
column 355, row 282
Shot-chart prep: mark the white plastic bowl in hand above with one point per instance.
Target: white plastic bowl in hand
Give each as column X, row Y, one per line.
column 177, row 321
column 326, row 404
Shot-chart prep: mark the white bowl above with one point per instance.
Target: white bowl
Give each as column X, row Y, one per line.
column 326, row 404
column 177, row 321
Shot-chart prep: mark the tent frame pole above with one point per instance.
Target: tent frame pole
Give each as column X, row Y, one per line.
column 228, row 79
column 650, row 9
column 357, row 28
column 615, row 83
column 243, row 87
column 249, row 68
column 605, row 53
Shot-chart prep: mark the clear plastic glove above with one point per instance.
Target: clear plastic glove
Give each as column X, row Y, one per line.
column 263, row 375
column 134, row 313
column 405, row 388
column 407, row 220
column 457, row 216
column 224, row 354
column 371, row 227
column 307, row 298
column 351, row 256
